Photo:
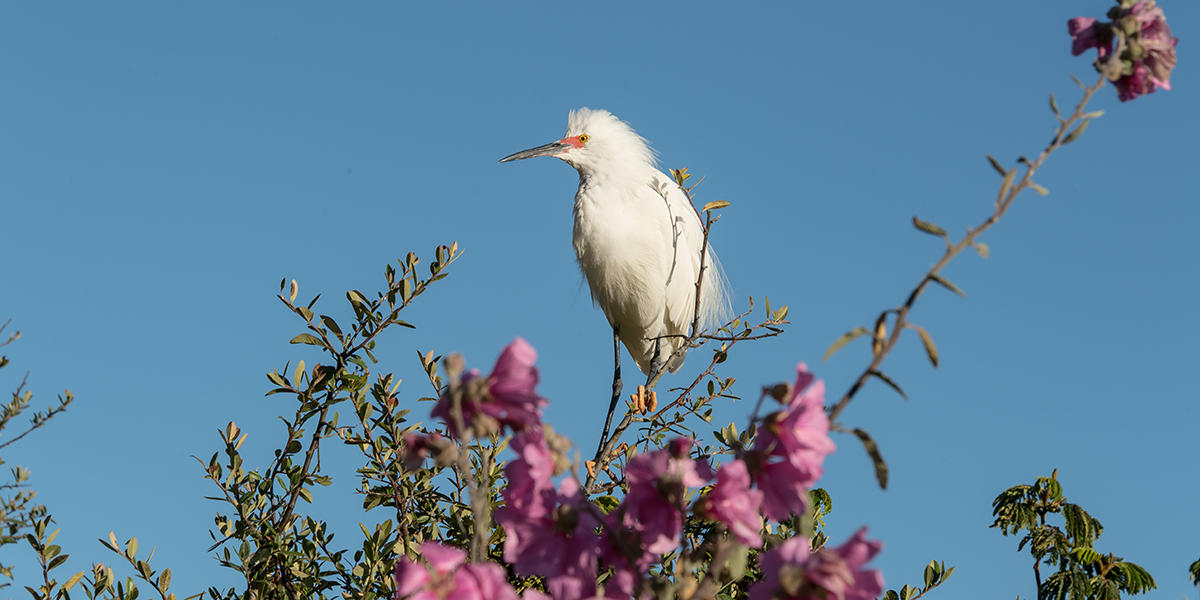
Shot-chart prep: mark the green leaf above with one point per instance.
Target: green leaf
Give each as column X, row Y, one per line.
column 997, row 166
column 307, row 338
column 56, row 561
column 607, row 503
column 872, row 448
column 946, row 284
column 888, row 381
column 714, row 205
column 931, row 573
column 928, row 227
column 930, row 348
column 332, row 325
column 1039, row 189
column 1006, row 185
column 1075, row 133
column 845, row 339
column 72, row 581
column 982, row 249
column 1054, row 105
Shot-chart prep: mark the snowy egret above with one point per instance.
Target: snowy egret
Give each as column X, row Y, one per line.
column 638, row 240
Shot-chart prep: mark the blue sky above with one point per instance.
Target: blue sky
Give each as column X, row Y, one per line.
column 164, row 166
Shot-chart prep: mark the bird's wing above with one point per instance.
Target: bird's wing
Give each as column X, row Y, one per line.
column 688, row 239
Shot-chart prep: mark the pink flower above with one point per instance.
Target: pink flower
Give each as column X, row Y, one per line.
column 509, row 396
column 791, row 571
column 418, row 447
column 548, row 533
column 1148, row 48
column 1085, row 34
column 733, row 503
column 657, row 483
column 1155, row 38
column 529, row 491
column 1135, row 84
column 445, row 577
column 790, row 448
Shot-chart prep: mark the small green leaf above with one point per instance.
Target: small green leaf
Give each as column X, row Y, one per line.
column 72, row 581
column 930, row 348
column 332, row 325
column 872, row 448
column 888, row 381
column 714, row 205
column 946, row 284
column 932, row 570
column 306, row 338
column 56, row 561
column 1075, row 133
column 1006, row 185
column 928, row 227
column 1054, row 106
column 845, row 339
column 1039, row 189
column 997, row 166
column 982, row 249
column 607, row 503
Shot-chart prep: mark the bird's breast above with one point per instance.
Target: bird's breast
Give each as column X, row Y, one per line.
column 622, row 250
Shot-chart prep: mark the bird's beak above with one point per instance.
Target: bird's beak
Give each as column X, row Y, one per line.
column 547, row 150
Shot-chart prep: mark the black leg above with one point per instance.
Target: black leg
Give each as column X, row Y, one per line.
column 656, row 367
column 616, row 389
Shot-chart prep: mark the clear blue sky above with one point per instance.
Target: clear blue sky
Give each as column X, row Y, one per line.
column 163, row 167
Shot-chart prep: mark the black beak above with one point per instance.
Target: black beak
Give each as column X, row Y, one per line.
column 547, row 150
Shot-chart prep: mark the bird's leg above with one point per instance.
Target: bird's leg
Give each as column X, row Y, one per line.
column 656, row 366
column 616, row 390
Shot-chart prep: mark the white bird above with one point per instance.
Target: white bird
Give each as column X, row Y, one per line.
column 638, row 240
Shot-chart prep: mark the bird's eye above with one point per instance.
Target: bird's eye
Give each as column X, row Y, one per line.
column 584, row 138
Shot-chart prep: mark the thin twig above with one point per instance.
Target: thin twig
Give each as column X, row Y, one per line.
column 1002, row 206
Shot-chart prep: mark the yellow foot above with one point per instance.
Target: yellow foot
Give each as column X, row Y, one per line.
column 643, row 402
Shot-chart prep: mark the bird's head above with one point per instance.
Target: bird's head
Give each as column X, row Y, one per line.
column 596, row 142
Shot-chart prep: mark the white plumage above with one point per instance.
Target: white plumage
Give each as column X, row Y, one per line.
column 637, row 238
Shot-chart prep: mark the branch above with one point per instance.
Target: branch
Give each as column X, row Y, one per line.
column 1008, row 192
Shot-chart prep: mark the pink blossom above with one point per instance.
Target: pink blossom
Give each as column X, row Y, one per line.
column 444, row 576
column 790, row 448
column 792, row 571
column 1148, row 48
column 548, row 532
column 733, row 503
column 418, row 447
column 1155, row 38
column 657, row 483
column 1085, row 34
column 510, row 397
column 530, row 491
column 1135, row 84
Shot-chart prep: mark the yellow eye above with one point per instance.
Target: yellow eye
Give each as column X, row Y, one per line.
column 584, row 138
